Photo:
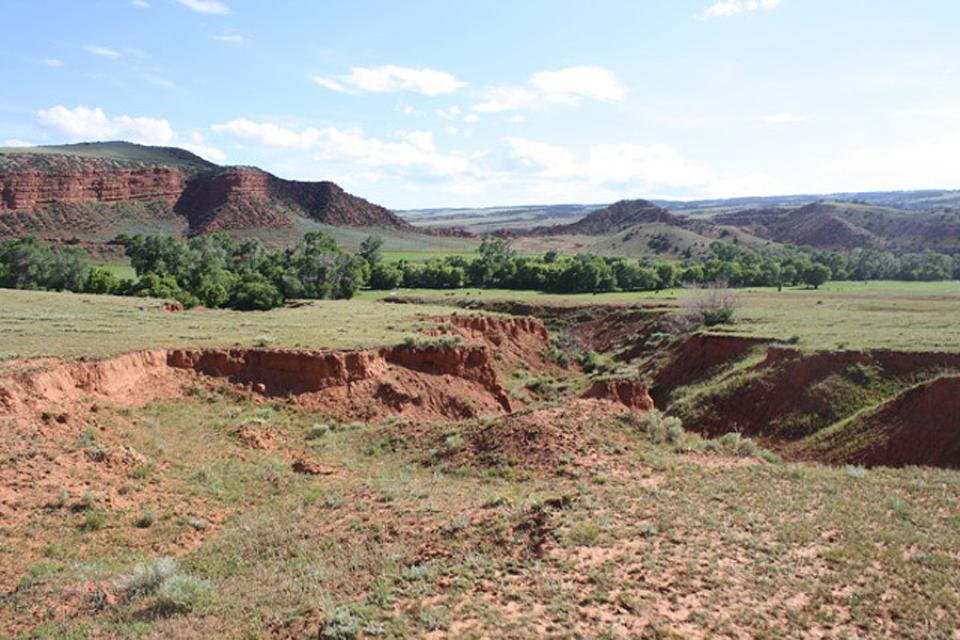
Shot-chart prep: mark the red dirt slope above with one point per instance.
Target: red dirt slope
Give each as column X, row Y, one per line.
column 921, row 426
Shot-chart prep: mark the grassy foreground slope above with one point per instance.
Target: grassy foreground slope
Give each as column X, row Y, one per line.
column 644, row 540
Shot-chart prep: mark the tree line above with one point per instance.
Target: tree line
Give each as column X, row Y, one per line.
column 220, row 271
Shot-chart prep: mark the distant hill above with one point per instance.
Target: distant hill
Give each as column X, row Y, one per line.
column 617, row 217
column 94, row 191
column 845, row 225
column 631, row 228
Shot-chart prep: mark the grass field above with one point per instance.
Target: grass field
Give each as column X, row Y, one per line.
column 839, row 315
column 36, row 324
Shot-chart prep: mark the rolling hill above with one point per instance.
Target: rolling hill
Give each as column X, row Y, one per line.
column 848, row 225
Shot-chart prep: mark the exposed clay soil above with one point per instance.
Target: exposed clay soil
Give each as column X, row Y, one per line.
column 792, row 394
column 920, row 426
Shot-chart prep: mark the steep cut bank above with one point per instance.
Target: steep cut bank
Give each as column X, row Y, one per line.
column 804, row 402
column 920, row 426
column 415, row 381
column 97, row 190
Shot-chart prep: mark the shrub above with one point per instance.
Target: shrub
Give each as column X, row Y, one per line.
column 659, row 427
column 342, row 625
column 146, row 518
column 175, row 591
column 180, row 592
column 145, row 578
column 317, row 431
column 93, row 521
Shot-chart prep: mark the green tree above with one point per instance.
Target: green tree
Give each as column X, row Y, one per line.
column 816, row 274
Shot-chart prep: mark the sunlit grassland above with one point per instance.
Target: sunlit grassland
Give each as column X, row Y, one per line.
column 35, row 324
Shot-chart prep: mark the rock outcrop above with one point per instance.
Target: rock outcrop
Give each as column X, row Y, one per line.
column 93, row 189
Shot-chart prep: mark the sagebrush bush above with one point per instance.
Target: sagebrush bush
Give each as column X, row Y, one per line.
column 174, row 590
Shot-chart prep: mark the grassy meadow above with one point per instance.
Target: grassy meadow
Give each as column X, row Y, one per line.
column 37, row 324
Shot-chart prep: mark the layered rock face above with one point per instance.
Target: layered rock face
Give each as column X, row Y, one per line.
column 59, row 194
column 26, row 190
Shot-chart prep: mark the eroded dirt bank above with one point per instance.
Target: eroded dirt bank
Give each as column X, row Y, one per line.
column 451, row 379
column 805, row 402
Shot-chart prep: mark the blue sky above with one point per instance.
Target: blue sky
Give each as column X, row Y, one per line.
column 470, row 103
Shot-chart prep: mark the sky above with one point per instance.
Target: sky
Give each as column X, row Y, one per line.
column 466, row 103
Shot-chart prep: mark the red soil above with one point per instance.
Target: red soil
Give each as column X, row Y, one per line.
column 789, row 395
column 920, row 426
column 699, row 357
column 630, row 393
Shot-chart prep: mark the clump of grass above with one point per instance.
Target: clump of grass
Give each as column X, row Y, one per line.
column 174, row 590
column 263, row 341
column 341, row 625
column 146, row 518
column 433, row 342
column 658, row 428
column 855, row 471
column 584, row 533
column 317, row 431
column 93, row 521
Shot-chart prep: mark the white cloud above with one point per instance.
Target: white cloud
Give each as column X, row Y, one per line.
column 949, row 112
column 140, row 4
column 83, row 124
column 727, row 8
column 785, row 118
column 13, row 142
column 651, row 169
column 53, row 62
column 391, row 78
column 159, row 81
column 267, row 134
column 471, row 117
column 449, row 114
column 567, row 86
column 572, row 84
column 206, row 152
column 919, row 164
column 414, row 152
column 206, row 6
column 105, row 52
column 506, row 99
column 233, row 37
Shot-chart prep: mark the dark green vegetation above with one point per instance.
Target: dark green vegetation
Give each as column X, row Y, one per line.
column 498, row 266
column 213, row 270
column 219, row 271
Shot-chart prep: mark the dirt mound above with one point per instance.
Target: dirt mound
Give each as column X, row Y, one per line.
column 558, row 439
column 920, row 426
column 131, row 379
column 630, row 393
column 616, row 217
column 519, row 340
column 61, row 192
